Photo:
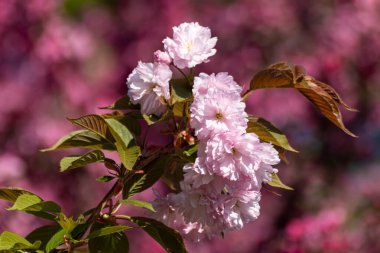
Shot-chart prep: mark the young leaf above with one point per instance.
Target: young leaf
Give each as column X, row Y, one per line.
column 180, row 90
column 105, row 178
column 107, row 231
column 81, row 139
column 123, row 103
column 115, row 243
column 43, row 234
column 276, row 182
column 140, row 182
column 138, row 203
column 72, row 162
column 94, row 123
column 68, row 224
column 10, row 242
column 267, row 132
column 125, row 144
column 169, row 239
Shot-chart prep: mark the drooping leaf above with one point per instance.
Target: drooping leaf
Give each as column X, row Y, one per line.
column 322, row 99
column 323, row 96
column 125, row 144
column 169, row 239
column 11, row 241
column 123, row 103
column 107, row 231
column 180, row 90
column 82, row 139
column 94, row 123
column 72, row 162
column 267, row 132
column 276, row 182
column 43, row 234
column 138, row 203
column 140, row 182
column 115, row 243
column 105, row 178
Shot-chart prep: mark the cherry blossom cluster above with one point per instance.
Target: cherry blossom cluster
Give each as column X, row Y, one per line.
column 220, row 191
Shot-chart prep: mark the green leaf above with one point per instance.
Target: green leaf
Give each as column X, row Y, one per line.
column 115, row 243
column 94, row 123
column 81, row 139
column 180, row 90
column 140, row 182
column 107, row 231
column 125, row 144
column 123, row 103
column 276, row 182
column 29, row 202
column 11, row 194
column 56, row 240
column 12, row 241
column 24, row 201
column 72, row 162
column 153, row 119
column 169, row 239
column 105, row 178
column 267, row 132
column 138, row 203
column 173, row 173
column 43, row 234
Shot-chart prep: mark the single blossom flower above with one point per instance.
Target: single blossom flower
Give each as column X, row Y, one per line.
column 162, row 57
column 236, row 156
column 219, row 82
column 191, row 45
column 217, row 112
column 148, row 85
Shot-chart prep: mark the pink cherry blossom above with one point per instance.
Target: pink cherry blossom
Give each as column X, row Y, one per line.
column 237, row 156
column 162, row 57
column 217, row 112
column 220, row 82
column 148, row 84
column 191, row 45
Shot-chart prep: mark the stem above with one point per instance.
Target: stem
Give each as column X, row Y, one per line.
column 183, row 73
column 246, row 95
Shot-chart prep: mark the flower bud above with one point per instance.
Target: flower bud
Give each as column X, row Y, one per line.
column 162, row 57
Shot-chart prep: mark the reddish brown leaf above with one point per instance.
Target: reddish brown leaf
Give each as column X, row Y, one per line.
column 272, row 78
column 323, row 101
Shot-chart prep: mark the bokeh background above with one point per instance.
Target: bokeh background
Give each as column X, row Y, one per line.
column 68, row 57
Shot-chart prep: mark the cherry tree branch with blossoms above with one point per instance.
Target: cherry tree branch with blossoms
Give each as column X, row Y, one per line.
column 216, row 164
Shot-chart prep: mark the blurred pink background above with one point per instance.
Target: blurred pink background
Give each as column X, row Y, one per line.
column 65, row 58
